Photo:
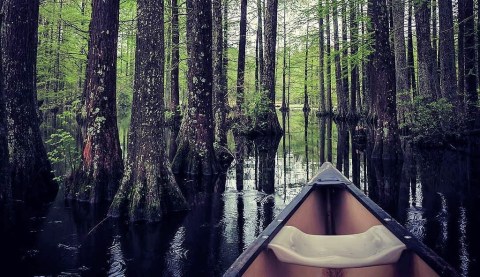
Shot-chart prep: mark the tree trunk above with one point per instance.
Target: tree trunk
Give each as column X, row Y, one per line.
column 322, row 124
column 428, row 85
column 382, row 78
column 411, row 58
column 289, row 79
column 148, row 188
column 219, row 92
column 329, row 140
column 478, row 41
column 363, row 107
column 168, row 57
column 102, row 167
column 321, row 58
column 5, row 188
column 328, row 65
column 225, row 48
column 267, row 122
column 369, row 91
column 354, row 81
column 448, row 78
column 341, row 101
column 401, row 68
column 284, row 68
column 266, row 148
column 260, row 42
column 174, row 85
column 306, row 107
column 470, row 66
column 241, row 55
column 195, row 154
column 461, row 50
column 344, row 58
column 32, row 178
column 434, row 30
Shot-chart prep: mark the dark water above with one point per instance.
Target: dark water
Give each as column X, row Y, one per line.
column 435, row 194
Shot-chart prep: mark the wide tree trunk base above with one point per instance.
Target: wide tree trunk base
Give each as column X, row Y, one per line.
column 148, row 195
column 84, row 187
column 192, row 161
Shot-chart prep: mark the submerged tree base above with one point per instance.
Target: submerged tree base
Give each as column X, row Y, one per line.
column 191, row 161
column 84, row 187
column 147, row 194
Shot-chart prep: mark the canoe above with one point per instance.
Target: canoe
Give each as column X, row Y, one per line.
column 331, row 228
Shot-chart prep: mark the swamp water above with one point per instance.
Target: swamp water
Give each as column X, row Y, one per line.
column 434, row 193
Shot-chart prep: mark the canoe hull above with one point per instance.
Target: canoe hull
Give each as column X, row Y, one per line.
column 331, row 205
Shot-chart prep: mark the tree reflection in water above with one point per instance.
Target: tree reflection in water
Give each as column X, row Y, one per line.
column 434, row 193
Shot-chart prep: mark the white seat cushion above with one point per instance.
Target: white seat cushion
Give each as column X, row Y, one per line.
column 376, row 246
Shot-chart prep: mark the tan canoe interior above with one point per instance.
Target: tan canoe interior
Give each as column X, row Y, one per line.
column 349, row 217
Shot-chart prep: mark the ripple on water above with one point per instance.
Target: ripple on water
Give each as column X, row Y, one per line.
column 73, row 248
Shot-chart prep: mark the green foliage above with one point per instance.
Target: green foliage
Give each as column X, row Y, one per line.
column 63, row 152
column 256, row 104
column 123, row 105
column 436, row 122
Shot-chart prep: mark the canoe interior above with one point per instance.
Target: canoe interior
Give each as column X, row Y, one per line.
column 346, row 215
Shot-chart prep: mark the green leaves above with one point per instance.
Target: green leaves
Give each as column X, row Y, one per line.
column 63, row 152
column 436, row 122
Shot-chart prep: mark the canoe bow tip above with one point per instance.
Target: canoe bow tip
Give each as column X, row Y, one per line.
column 328, row 174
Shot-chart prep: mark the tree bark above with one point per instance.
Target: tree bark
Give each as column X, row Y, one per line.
column 196, row 154
column 5, row 188
column 401, row 67
column 32, row 178
column 328, row 65
column 174, row 85
column 225, row 47
column 382, row 78
column 428, row 85
column 470, row 65
column 266, row 148
column 306, row 106
column 434, row 30
column 267, row 122
column 354, row 80
column 219, row 91
column 341, row 100
column 411, row 58
column 321, row 57
column 260, row 43
column 102, row 167
column 148, row 189
column 284, row 68
column 344, row 59
column 448, row 78
column 461, row 50
column 242, row 42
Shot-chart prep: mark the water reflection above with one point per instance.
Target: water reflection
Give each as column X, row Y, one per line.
column 433, row 193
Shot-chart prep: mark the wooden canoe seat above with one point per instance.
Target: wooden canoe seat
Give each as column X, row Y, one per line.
column 376, row 246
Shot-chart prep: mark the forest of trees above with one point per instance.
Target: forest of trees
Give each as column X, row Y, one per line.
column 117, row 99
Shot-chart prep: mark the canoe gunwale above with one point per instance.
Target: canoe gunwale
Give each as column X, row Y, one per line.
column 330, row 177
column 248, row 256
column 437, row 263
